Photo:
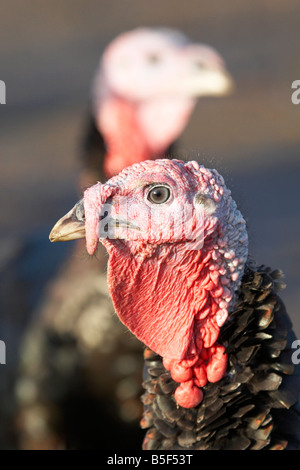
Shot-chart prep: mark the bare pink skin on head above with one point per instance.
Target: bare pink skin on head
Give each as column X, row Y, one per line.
column 124, row 138
column 128, row 140
column 145, row 90
column 173, row 297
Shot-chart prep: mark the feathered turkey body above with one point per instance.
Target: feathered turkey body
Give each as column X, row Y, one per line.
column 144, row 91
column 218, row 355
column 253, row 406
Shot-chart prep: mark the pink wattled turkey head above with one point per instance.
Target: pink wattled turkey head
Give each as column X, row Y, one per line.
column 145, row 89
column 177, row 248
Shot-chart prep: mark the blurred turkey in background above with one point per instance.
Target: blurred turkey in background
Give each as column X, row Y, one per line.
column 251, row 137
column 80, row 368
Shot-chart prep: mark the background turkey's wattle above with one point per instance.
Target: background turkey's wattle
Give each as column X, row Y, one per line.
column 251, row 137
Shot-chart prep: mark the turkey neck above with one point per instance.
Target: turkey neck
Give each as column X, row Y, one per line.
column 124, row 138
column 134, row 132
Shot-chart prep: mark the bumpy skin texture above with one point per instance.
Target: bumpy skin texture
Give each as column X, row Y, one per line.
column 254, row 406
column 173, row 288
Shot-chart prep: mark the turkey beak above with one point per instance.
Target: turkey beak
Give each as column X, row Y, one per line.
column 212, row 83
column 219, row 83
column 71, row 226
column 228, row 84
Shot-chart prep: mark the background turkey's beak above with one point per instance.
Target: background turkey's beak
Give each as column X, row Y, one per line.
column 212, row 83
column 227, row 84
column 68, row 228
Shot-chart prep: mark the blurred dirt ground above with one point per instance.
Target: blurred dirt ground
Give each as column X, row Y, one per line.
column 48, row 53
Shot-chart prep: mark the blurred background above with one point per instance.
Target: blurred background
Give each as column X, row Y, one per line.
column 48, row 54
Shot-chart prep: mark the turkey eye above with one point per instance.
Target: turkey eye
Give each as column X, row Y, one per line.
column 153, row 58
column 159, row 194
column 200, row 65
column 79, row 212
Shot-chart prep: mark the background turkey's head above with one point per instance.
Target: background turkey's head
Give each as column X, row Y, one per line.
column 146, row 87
